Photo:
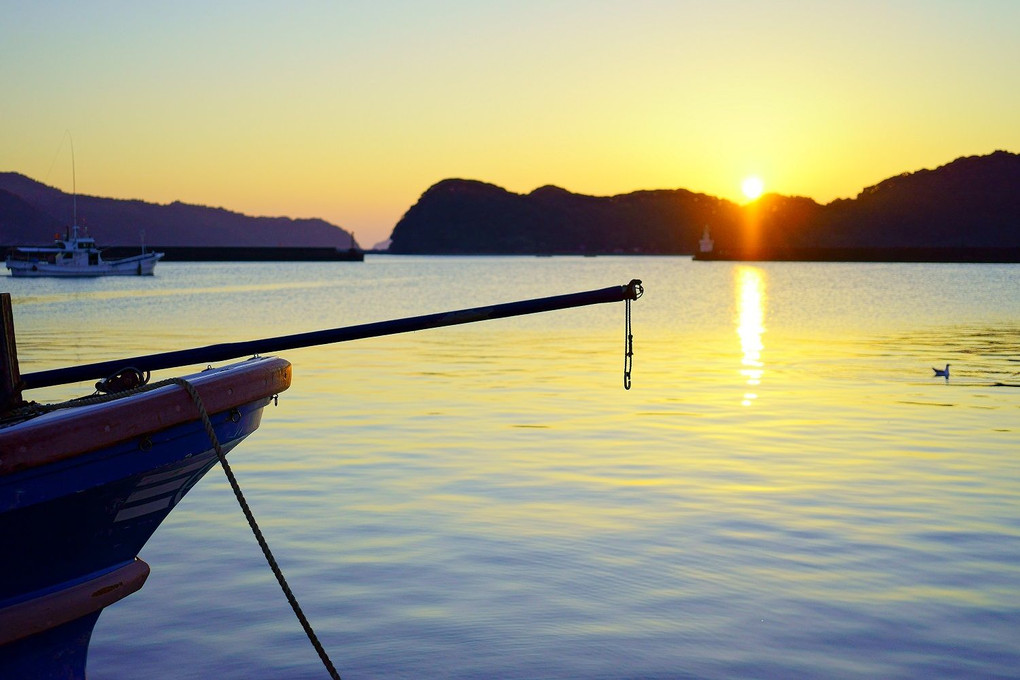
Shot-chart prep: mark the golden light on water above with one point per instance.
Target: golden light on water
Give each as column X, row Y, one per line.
column 750, row 287
column 437, row 476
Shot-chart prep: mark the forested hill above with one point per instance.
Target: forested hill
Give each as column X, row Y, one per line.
column 32, row 213
column 973, row 202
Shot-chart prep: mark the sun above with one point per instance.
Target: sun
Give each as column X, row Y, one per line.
column 752, row 187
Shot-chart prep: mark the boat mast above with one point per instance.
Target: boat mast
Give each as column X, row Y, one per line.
column 74, row 195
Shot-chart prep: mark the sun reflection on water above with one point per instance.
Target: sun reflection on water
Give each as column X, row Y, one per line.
column 750, row 287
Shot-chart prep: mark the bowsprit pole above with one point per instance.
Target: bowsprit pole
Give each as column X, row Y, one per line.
column 233, row 350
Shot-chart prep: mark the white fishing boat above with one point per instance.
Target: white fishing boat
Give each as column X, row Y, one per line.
column 76, row 256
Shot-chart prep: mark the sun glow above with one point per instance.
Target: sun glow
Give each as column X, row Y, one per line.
column 752, row 187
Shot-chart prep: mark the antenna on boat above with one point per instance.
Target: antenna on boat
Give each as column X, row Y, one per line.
column 74, row 189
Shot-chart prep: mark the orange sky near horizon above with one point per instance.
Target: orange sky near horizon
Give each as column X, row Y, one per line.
column 349, row 111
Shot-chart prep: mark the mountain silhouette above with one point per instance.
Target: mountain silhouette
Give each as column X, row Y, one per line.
column 32, row 213
column 967, row 208
column 971, row 203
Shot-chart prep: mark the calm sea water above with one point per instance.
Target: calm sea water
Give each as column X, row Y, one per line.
column 786, row 492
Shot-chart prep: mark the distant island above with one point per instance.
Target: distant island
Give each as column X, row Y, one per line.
column 967, row 210
column 33, row 213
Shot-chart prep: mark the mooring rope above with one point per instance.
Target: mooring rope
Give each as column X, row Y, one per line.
column 207, row 423
column 31, row 409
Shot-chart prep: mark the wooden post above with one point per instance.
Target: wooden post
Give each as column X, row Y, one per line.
column 10, row 376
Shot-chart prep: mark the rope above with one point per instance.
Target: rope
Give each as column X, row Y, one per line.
column 207, row 423
column 31, row 409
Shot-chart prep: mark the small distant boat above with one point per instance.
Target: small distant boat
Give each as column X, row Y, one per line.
column 706, row 244
column 76, row 256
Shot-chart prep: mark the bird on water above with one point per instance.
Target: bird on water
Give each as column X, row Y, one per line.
column 942, row 372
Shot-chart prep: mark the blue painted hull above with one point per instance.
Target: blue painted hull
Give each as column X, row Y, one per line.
column 81, row 491
column 80, row 516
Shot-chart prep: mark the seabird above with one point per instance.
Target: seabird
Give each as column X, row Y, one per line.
column 944, row 373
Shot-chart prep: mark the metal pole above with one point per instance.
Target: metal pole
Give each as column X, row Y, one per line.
column 233, row 350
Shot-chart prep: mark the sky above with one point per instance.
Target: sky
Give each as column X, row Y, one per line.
column 350, row 110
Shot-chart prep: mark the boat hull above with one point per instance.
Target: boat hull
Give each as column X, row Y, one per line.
column 81, row 491
column 96, row 511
